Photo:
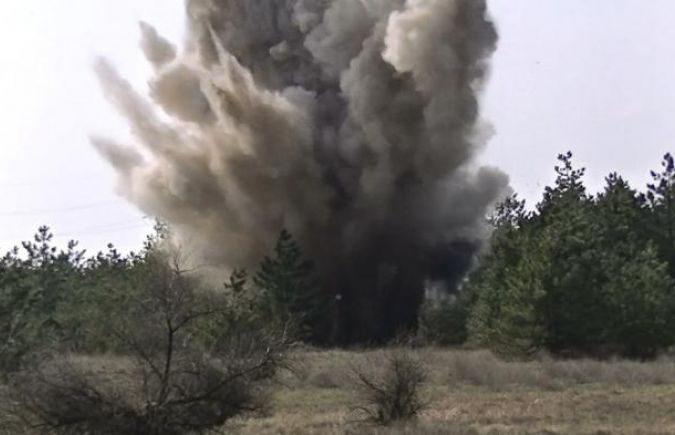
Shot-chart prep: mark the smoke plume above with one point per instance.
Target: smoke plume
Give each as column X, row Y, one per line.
column 353, row 124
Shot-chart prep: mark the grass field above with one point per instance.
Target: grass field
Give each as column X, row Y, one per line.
column 472, row 392
column 468, row 392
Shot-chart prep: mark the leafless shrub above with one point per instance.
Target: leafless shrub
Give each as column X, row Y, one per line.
column 393, row 394
column 191, row 369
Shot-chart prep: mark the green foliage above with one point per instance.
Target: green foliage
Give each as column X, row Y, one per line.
column 508, row 289
column 639, row 305
column 580, row 275
column 443, row 322
column 290, row 295
column 660, row 197
column 35, row 284
column 518, row 328
column 177, row 379
column 53, row 298
column 56, row 299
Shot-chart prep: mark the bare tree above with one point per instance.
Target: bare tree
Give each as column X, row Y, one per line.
column 190, row 366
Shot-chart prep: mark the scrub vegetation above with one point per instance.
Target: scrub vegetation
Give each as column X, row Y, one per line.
column 564, row 325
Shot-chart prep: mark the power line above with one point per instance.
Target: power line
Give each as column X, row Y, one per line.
column 60, row 210
column 96, row 232
column 111, row 227
column 48, row 182
column 106, row 228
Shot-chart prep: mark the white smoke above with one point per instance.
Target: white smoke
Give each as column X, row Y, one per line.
column 351, row 123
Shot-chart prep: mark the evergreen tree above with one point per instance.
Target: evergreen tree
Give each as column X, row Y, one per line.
column 507, row 315
column 639, row 304
column 36, row 285
column 567, row 193
column 660, row 198
column 572, row 300
column 289, row 292
column 504, row 313
column 444, row 322
column 636, row 286
column 578, row 276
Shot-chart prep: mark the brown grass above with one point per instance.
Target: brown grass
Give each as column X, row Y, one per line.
column 472, row 392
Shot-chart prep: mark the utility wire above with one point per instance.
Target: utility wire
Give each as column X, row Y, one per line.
column 8, row 184
column 111, row 227
column 105, row 228
column 96, row 232
column 76, row 235
column 60, row 210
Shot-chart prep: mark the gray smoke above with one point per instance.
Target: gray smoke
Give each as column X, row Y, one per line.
column 353, row 124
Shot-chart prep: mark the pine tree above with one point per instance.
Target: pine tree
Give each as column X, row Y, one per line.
column 635, row 283
column 289, row 290
column 507, row 315
column 507, row 288
column 639, row 304
column 36, row 284
column 572, row 299
column 660, row 199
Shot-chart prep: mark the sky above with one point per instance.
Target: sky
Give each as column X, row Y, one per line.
column 596, row 78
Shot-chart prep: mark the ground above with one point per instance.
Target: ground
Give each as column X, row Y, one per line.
column 467, row 392
column 471, row 392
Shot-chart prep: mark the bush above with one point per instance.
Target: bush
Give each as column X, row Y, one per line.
column 189, row 370
column 394, row 394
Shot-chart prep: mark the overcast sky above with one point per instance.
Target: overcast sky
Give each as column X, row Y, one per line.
column 595, row 77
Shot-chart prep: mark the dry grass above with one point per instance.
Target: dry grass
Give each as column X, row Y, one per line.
column 472, row 392
column 483, row 369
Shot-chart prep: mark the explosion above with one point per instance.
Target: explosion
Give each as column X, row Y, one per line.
column 353, row 124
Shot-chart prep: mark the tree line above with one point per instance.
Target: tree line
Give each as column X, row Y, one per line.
column 61, row 299
column 579, row 274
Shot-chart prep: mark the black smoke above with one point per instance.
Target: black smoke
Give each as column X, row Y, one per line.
column 351, row 123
